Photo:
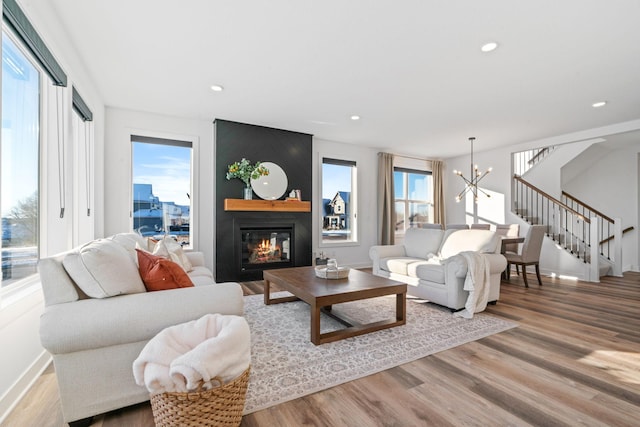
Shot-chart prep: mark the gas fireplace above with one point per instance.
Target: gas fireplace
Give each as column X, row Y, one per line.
column 263, row 247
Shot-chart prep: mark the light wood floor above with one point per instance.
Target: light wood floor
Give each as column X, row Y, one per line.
column 574, row 360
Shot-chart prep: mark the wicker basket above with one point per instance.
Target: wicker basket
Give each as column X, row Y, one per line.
column 220, row 406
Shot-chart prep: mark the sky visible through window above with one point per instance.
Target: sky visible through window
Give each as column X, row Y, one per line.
column 335, row 178
column 20, row 119
column 166, row 167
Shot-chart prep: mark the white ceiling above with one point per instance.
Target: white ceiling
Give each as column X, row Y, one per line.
column 412, row 69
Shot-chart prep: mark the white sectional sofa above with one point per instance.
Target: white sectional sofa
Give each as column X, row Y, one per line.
column 429, row 261
column 94, row 340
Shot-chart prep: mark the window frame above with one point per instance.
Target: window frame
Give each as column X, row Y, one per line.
column 182, row 140
column 406, row 200
column 353, row 214
column 28, row 284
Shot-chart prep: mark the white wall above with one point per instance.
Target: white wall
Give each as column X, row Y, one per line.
column 348, row 254
column 499, row 182
column 23, row 357
column 120, row 125
column 547, row 175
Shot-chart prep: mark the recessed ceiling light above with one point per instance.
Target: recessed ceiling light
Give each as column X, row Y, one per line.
column 599, row 104
column 489, row 47
column 355, row 117
column 217, row 88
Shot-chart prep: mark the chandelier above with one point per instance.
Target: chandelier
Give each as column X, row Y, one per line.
column 471, row 184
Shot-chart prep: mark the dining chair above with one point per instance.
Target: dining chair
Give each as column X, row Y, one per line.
column 530, row 253
column 480, row 226
column 431, row 226
column 457, row 227
column 509, row 230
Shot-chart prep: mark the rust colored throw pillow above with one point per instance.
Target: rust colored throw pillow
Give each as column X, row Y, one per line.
column 159, row 274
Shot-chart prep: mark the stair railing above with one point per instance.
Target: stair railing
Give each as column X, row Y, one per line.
column 525, row 160
column 566, row 226
column 605, row 224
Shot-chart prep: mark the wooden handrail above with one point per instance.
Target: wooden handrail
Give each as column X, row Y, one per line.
column 553, row 199
column 612, row 237
column 532, row 160
column 595, row 211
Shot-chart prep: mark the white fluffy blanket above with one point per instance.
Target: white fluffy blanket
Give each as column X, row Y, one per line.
column 179, row 357
column 476, row 282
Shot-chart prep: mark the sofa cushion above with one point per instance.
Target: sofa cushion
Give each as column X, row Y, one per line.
column 159, row 274
column 201, row 280
column 420, row 242
column 430, row 271
column 397, row 265
column 103, row 268
column 457, row 241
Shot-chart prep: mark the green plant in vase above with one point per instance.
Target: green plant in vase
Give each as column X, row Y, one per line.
column 245, row 171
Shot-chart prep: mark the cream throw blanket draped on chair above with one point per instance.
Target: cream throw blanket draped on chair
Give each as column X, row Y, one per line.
column 476, row 283
column 180, row 357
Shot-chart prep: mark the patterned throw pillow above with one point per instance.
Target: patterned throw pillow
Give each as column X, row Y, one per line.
column 160, row 274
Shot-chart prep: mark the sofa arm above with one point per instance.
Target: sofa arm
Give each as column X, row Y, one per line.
column 386, row 251
column 376, row 253
column 457, row 265
column 103, row 322
column 497, row 263
column 195, row 258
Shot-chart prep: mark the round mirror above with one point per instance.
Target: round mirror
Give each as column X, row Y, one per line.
column 272, row 186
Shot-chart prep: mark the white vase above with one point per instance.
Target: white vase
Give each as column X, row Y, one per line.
column 248, row 193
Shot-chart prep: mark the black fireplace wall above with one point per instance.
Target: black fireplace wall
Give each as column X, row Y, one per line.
column 292, row 151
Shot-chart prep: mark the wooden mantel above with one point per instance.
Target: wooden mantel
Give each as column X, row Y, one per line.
column 267, row 205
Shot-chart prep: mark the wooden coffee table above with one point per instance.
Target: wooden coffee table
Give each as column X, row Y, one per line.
column 321, row 294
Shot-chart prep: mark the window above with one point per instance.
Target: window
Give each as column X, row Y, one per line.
column 20, row 146
column 414, row 198
column 339, row 205
column 162, row 187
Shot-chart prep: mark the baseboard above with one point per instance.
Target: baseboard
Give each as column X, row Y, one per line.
column 13, row 396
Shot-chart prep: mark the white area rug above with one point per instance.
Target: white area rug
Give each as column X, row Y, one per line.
column 285, row 365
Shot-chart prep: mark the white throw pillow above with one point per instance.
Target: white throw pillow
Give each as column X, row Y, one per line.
column 170, row 249
column 129, row 241
column 420, row 242
column 103, row 268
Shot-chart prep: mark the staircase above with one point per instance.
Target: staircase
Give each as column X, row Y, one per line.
column 584, row 232
column 525, row 160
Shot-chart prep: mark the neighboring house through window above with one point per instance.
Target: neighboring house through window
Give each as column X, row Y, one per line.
column 339, row 207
